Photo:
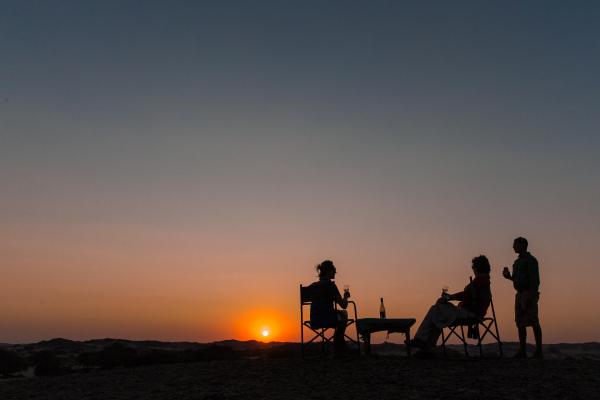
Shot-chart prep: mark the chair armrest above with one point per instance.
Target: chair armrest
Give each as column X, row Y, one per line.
column 355, row 311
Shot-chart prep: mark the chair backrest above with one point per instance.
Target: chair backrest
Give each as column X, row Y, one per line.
column 312, row 293
column 323, row 317
column 476, row 293
column 305, row 295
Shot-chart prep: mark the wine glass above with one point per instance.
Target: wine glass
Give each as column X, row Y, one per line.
column 445, row 294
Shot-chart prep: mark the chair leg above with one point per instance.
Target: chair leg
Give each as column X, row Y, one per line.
column 497, row 331
column 498, row 338
column 351, row 339
column 319, row 333
column 444, row 343
column 495, row 335
column 301, row 325
column 357, row 335
column 500, row 350
column 302, row 340
column 464, row 340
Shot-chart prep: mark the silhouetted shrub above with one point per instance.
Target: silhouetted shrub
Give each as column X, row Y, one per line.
column 88, row 358
column 213, row 353
column 159, row 357
column 11, row 362
column 46, row 363
column 282, row 352
column 114, row 355
column 117, row 355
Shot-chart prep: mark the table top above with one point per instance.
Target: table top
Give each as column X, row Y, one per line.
column 370, row 325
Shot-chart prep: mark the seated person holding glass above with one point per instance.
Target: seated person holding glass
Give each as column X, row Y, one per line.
column 474, row 302
column 325, row 294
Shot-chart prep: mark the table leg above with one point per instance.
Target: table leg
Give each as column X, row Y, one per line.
column 367, row 342
column 408, row 350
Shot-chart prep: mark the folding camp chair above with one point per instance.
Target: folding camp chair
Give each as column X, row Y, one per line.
column 487, row 323
column 325, row 333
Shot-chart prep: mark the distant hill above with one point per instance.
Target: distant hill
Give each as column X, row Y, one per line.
column 250, row 344
column 62, row 345
column 147, row 344
column 59, row 344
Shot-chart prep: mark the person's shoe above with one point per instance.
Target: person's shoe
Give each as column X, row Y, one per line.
column 520, row 355
column 416, row 342
column 538, row 354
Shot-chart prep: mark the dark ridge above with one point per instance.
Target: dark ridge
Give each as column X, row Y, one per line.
column 58, row 344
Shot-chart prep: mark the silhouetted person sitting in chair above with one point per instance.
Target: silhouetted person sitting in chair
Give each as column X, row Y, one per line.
column 474, row 302
column 323, row 314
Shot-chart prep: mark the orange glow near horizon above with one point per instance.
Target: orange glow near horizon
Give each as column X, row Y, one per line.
column 263, row 324
column 87, row 286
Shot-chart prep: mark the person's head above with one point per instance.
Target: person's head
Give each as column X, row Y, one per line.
column 326, row 270
column 481, row 265
column 520, row 245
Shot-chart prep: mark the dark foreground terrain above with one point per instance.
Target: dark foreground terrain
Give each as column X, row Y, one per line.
column 355, row 378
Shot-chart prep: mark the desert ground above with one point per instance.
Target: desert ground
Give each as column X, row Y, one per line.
column 378, row 377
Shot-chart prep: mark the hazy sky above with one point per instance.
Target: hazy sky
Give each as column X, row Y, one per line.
column 174, row 170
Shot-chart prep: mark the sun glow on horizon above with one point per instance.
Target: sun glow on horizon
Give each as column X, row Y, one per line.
column 264, row 324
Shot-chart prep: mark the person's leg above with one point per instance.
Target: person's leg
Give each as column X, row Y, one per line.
column 532, row 310
column 338, row 338
column 521, row 327
column 425, row 329
column 434, row 335
column 537, row 332
column 522, row 341
column 438, row 317
column 339, row 341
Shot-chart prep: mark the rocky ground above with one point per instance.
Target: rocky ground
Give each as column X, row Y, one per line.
column 354, row 378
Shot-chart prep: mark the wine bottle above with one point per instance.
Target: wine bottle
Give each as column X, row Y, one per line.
column 382, row 309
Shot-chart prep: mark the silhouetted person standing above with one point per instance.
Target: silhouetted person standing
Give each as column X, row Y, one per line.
column 526, row 281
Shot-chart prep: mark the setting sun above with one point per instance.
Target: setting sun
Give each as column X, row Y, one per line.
column 263, row 323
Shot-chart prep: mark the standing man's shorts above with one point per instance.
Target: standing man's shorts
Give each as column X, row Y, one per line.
column 526, row 308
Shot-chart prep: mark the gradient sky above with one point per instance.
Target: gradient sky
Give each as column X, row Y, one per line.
column 174, row 170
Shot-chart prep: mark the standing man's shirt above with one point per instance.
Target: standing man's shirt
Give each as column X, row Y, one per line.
column 526, row 274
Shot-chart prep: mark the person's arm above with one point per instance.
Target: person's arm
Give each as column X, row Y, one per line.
column 450, row 297
column 461, row 296
column 458, row 296
column 534, row 275
column 342, row 301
